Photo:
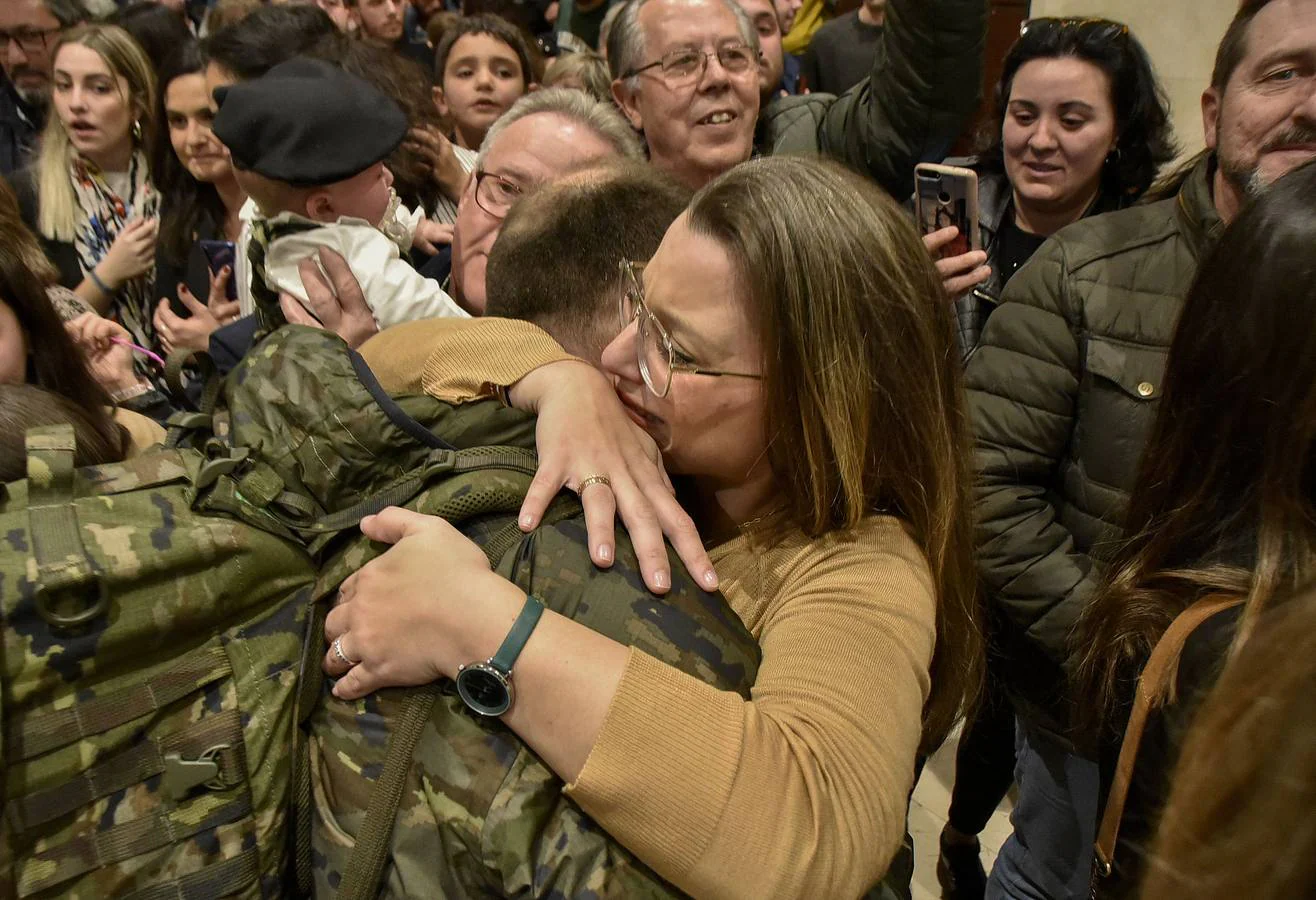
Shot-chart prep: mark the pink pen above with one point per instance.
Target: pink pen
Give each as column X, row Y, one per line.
column 139, row 349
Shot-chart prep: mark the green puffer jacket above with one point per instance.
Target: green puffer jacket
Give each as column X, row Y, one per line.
column 924, row 86
column 1062, row 394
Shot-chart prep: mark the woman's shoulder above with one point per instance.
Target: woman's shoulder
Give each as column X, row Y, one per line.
column 879, row 550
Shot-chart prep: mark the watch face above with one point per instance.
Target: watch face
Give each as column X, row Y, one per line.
column 484, row 690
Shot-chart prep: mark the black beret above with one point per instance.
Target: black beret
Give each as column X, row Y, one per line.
column 307, row 122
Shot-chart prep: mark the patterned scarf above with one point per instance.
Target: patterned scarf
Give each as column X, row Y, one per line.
column 104, row 215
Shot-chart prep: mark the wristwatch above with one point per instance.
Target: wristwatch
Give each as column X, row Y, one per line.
column 486, row 687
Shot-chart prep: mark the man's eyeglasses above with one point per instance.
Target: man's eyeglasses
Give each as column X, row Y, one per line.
column 687, row 65
column 29, row 40
column 1102, row 29
column 657, row 355
column 495, row 194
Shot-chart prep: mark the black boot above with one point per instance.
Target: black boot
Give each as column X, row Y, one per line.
column 959, row 870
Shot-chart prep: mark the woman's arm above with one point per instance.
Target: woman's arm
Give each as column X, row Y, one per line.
column 801, row 791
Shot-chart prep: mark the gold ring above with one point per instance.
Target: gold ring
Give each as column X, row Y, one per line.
column 338, row 652
column 594, row 479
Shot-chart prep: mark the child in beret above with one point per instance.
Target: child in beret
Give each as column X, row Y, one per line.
column 308, row 142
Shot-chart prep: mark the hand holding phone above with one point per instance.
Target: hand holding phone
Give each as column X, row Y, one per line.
column 947, row 196
column 218, row 255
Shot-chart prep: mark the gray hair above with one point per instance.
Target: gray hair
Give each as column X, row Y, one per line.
column 626, row 41
column 600, row 118
column 68, row 12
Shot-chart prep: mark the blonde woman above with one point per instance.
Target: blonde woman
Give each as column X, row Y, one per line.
column 90, row 197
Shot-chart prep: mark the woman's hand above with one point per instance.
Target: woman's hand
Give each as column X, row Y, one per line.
column 341, row 308
column 399, row 625
column 111, row 363
column 583, row 432
column 131, row 255
column 961, row 273
column 436, row 150
column 194, row 333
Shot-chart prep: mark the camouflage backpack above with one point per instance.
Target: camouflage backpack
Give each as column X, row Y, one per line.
column 152, row 621
column 412, row 794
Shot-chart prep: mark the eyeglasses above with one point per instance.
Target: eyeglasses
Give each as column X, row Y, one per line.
column 1102, row 29
column 687, row 65
column 29, row 40
column 657, row 355
column 495, row 194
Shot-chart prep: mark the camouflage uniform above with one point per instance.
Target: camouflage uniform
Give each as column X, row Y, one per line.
column 150, row 656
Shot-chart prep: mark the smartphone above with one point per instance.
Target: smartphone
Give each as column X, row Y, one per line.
column 218, row 255
column 948, row 195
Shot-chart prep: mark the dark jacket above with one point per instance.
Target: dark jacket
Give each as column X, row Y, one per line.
column 20, row 128
column 995, row 204
column 924, row 86
column 193, row 271
column 1062, row 393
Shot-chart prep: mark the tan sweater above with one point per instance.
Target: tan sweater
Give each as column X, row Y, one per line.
column 801, row 791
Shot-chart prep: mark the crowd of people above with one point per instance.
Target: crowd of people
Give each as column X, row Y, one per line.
column 937, row 488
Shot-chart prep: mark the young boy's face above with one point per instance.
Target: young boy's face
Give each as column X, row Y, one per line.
column 481, row 80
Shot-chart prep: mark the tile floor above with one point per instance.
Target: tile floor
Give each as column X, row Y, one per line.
column 927, row 816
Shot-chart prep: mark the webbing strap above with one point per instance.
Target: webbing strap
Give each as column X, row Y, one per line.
column 366, row 866
column 473, row 459
column 62, row 560
column 133, row 766
column 105, row 847
column 42, row 733
column 1154, row 685
column 214, row 881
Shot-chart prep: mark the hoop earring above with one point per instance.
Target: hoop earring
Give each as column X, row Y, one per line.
column 1113, row 157
column 137, row 132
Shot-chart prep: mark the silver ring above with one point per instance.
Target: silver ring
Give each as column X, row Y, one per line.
column 338, row 652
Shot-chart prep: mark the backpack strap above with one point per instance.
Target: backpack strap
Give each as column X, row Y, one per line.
column 64, row 567
column 373, row 843
column 1154, row 685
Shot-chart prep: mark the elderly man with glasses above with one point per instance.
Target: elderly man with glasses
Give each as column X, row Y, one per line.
column 686, row 74
column 28, row 30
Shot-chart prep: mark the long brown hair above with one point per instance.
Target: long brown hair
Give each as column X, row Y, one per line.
column 55, row 361
column 98, row 438
column 1225, row 500
column 1239, row 819
column 14, row 233
column 861, row 378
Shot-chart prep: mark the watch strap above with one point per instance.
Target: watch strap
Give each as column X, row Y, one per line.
column 516, row 639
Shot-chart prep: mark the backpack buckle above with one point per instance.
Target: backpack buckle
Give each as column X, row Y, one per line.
column 182, row 775
column 211, row 470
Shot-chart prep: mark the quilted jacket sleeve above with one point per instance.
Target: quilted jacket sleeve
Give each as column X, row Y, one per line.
column 1022, row 386
column 924, row 86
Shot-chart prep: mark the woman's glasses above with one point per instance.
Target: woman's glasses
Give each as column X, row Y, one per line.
column 655, row 352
